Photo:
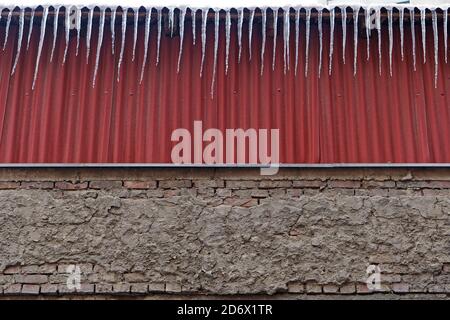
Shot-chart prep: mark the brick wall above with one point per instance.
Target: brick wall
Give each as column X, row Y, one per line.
column 147, row 232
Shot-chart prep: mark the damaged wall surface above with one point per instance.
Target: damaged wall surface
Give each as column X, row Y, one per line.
column 217, row 232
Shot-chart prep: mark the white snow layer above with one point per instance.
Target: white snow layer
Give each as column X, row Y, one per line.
column 369, row 11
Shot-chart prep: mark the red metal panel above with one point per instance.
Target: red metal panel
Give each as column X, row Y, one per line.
column 337, row 118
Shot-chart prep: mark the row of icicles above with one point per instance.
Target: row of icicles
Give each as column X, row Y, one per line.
column 370, row 15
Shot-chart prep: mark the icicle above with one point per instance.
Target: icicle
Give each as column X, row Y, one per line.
column 159, row 22
column 216, row 46
column 286, row 36
column 297, row 35
column 391, row 39
column 89, row 33
column 227, row 41
column 424, row 33
column 264, row 32
column 181, row 26
column 148, row 17
column 30, row 30
column 445, row 32
column 135, row 35
column 55, row 31
column 240, row 22
column 204, row 21
column 171, row 20
column 275, row 31
column 250, row 33
column 413, row 36
column 344, row 31
column 8, row 23
column 101, row 27
column 378, row 23
column 122, row 45
column 319, row 22
column 193, row 14
column 332, row 18
column 67, row 26
column 78, row 26
column 308, row 28
column 113, row 29
column 368, row 24
column 19, row 40
column 436, row 46
column 41, row 42
column 402, row 41
column 355, row 38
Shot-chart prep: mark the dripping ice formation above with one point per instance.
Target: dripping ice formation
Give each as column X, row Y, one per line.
column 294, row 18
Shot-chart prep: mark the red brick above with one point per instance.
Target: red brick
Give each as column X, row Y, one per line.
column 330, row 288
column 378, row 184
column 71, row 186
column 241, row 184
column 105, row 184
column 206, row 183
column 141, row 185
column 9, row 185
column 361, row 288
column 37, row 185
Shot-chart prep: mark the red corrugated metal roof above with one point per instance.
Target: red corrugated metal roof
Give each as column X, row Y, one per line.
column 342, row 118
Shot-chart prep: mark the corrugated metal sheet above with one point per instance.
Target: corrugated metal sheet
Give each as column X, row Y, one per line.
column 342, row 118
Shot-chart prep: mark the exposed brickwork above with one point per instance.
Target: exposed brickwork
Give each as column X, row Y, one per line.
column 207, row 231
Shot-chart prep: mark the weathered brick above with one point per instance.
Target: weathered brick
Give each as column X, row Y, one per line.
column 31, row 279
column 330, row 288
column 346, row 184
column 361, row 288
column 134, row 277
column 86, row 288
column 64, row 185
column 296, row 287
column 270, row 184
column 103, row 288
column 208, row 183
column 30, row 289
column 259, row 193
column 157, row 287
column 400, row 287
column 173, row 287
column 237, row 202
column 168, row 184
column 378, row 184
column 121, row 288
column 37, row 185
column 139, row 288
column 313, row 288
column 296, row 193
column 308, row 184
column 105, row 184
column 434, row 184
column 241, row 184
column 348, row 288
column 47, row 268
column 5, row 279
column 12, row 269
column 223, row 192
column 49, row 288
column 140, row 184
column 13, row 289
column 4, row 185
